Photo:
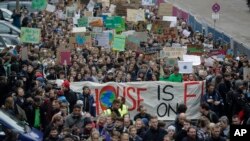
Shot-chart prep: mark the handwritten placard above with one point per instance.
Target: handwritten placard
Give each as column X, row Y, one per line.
column 80, row 40
column 135, row 15
column 83, row 22
column 119, row 42
column 30, row 35
column 95, row 21
column 165, row 9
column 39, row 4
column 50, row 8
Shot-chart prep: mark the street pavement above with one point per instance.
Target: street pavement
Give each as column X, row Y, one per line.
column 234, row 16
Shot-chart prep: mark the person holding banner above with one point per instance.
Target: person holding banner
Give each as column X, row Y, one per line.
column 176, row 76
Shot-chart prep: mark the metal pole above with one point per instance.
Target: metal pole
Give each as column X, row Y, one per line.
column 17, row 5
column 214, row 23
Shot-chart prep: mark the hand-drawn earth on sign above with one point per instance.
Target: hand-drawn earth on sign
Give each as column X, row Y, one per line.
column 107, row 96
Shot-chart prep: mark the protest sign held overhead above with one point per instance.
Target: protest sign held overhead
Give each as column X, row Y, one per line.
column 30, row 35
column 39, row 4
column 119, row 42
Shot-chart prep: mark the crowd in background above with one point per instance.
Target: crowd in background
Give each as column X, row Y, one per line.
column 66, row 115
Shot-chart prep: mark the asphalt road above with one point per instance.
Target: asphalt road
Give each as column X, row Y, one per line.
column 234, row 16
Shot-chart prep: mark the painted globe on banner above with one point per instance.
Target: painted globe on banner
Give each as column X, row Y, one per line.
column 107, row 96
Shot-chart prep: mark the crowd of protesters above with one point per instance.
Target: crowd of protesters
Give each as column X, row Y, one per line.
column 62, row 114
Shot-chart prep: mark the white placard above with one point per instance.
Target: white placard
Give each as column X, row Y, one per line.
column 192, row 58
column 79, row 29
column 169, row 18
column 185, row 67
column 50, row 8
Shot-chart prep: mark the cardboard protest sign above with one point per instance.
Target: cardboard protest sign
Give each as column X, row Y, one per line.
column 83, row 22
column 135, row 15
column 80, row 40
column 39, row 4
column 50, row 8
column 165, row 9
column 95, row 21
column 88, row 13
column 119, row 43
column 171, row 52
column 195, row 49
column 185, row 67
column 196, row 60
column 30, row 35
column 168, row 33
column 159, row 26
column 103, row 39
column 147, row 2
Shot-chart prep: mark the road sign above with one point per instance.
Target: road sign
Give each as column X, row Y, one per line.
column 216, row 7
column 215, row 16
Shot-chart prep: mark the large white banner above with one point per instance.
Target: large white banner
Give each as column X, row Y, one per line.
column 160, row 98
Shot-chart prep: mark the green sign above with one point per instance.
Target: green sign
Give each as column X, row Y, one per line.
column 119, row 42
column 120, row 27
column 39, row 4
column 83, row 22
column 30, row 35
column 115, row 22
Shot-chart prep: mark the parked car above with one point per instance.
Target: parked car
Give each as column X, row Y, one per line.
column 8, row 28
column 7, row 14
column 14, row 126
column 11, row 5
column 7, row 41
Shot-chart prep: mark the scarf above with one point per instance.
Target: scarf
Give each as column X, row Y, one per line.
column 37, row 118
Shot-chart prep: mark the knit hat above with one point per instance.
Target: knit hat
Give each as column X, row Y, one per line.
column 66, row 84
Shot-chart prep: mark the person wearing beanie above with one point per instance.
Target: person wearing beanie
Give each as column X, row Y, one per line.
column 71, row 97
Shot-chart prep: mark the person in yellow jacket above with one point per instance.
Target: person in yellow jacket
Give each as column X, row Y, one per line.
column 113, row 110
column 123, row 107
